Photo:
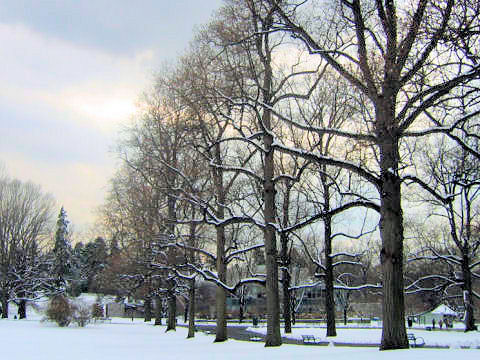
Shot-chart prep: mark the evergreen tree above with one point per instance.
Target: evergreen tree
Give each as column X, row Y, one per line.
column 96, row 254
column 62, row 252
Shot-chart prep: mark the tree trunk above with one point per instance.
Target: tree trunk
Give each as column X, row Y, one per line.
column 285, row 257
column 467, row 292
column 273, row 337
column 185, row 311
column 286, row 279
column 292, row 310
column 221, row 296
column 4, row 306
column 329, row 288
column 22, row 309
column 172, row 307
column 158, row 310
column 394, row 334
column 241, row 311
column 287, row 302
column 191, row 310
column 148, row 307
column 171, row 284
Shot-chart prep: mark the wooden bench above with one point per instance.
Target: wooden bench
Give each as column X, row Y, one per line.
column 414, row 339
column 103, row 320
column 309, row 339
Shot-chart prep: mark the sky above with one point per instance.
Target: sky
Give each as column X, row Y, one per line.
column 71, row 73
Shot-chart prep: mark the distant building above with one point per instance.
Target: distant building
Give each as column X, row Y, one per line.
column 124, row 309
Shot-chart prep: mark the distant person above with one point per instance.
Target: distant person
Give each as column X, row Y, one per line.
column 440, row 323
column 410, row 322
column 433, row 324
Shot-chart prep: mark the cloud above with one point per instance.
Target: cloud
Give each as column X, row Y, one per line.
column 117, row 26
column 87, row 84
column 70, row 74
column 79, row 187
column 60, row 108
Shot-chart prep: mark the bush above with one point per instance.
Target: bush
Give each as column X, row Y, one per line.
column 97, row 311
column 81, row 314
column 60, row 310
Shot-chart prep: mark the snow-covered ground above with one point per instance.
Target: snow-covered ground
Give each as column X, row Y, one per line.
column 123, row 339
column 32, row 339
column 443, row 338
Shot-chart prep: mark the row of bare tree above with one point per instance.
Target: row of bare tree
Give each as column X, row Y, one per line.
column 290, row 118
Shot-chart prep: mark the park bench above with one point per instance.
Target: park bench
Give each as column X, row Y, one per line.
column 102, row 320
column 414, row 339
column 256, row 338
column 309, row 339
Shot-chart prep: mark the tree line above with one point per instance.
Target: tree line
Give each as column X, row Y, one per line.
column 292, row 121
column 37, row 260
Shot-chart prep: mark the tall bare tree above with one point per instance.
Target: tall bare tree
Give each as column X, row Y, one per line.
column 399, row 58
column 25, row 220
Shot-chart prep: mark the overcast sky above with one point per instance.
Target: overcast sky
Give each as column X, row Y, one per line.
column 71, row 72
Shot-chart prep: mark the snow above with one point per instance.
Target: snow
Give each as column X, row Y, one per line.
column 444, row 310
column 32, row 339
column 124, row 339
column 441, row 338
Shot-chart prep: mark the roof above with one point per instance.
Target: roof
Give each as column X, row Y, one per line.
column 443, row 310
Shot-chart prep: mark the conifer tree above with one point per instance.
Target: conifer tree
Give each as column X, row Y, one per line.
column 62, row 252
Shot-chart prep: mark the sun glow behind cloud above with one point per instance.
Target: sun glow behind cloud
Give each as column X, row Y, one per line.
column 74, row 91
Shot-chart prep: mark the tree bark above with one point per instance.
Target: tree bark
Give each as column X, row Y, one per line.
column 172, row 306
column 158, row 310
column 394, row 334
column 4, row 306
column 467, row 292
column 171, row 284
column 286, row 279
column 148, row 307
column 329, row 288
column 191, row 310
column 241, row 311
column 285, row 260
column 273, row 337
column 22, row 309
column 221, row 296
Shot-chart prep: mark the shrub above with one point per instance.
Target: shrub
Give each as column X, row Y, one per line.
column 97, row 311
column 82, row 314
column 60, row 310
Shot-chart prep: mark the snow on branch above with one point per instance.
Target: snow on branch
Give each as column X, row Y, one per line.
column 196, row 249
column 333, row 212
column 370, row 177
column 443, row 199
column 415, row 287
column 236, row 253
column 356, row 255
column 346, row 262
column 475, row 264
column 210, row 276
column 359, row 287
column 450, row 258
column 237, row 169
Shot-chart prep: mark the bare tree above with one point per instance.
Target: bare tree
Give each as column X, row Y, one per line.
column 403, row 72
column 25, row 220
column 453, row 174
